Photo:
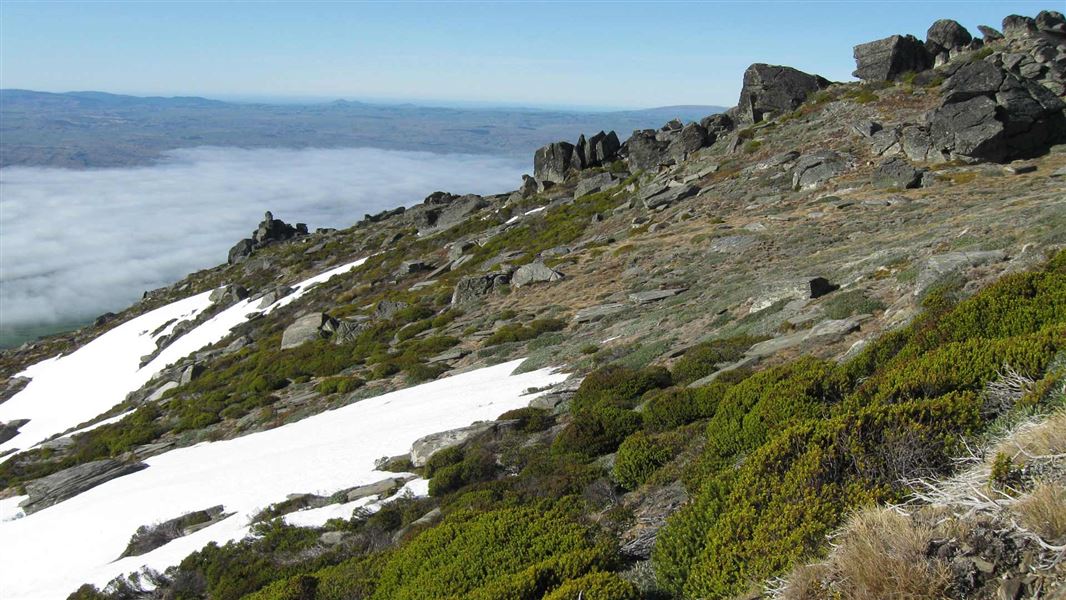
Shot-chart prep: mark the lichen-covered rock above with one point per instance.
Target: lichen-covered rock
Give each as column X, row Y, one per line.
column 886, row 59
column 897, row 172
column 771, row 90
column 536, row 272
column 312, row 326
column 811, row 170
column 553, row 162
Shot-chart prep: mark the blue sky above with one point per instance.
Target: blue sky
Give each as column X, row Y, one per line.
column 595, row 54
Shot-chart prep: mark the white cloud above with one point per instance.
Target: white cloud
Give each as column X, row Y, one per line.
column 75, row 244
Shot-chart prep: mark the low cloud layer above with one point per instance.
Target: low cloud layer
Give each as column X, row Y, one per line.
column 75, row 244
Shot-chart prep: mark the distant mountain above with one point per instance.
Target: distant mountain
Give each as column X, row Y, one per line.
column 97, row 129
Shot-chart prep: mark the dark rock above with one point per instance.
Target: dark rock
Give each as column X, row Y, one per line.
column 990, row 34
column 897, row 172
column 104, row 319
column 812, row 170
column 645, row 152
column 888, row 58
column 654, row 295
column 536, row 272
column 1018, row 25
column 866, row 128
column 717, row 125
column 946, row 35
column 1051, row 21
column 529, row 187
column 692, row 137
column 553, row 162
column 150, row 537
column 471, row 289
column 992, row 114
column 241, row 251
column 57, row 487
column 10, row 429
column 770, row 90
column 655, row 196
column 272, row 296
column 270, row 230
column 228, row 294
column 413, row 267
column 594, row 183
column 598, row 150
column 312, row 326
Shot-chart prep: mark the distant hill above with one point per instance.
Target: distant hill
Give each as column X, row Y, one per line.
column 97, row 129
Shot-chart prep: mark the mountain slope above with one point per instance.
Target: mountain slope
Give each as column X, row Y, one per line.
column 773, row 317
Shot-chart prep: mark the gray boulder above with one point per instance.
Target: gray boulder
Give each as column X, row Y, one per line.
column 228, row 294
column 691, row 138
column 946, row 35
column 897, row 172
column 940, row 266
column 553, row 162
column 472, row 289
column 645, row 152
column 347, row 330
column 1018, row 26
column 272, row 296
column 241, row 251
column 1051, row 21
column 425, row 447
column 594, row 183
column 11, row 429
column 528, row 188
column 989, row 113
column 598, row 150
column 57, row 487
column 886, row 59
column 536, row 272
column 654, row 196
column 811, row 170
column 377, row 488
column 312, row 326
column 717, row 125
column 770, row 90
column 990, row 34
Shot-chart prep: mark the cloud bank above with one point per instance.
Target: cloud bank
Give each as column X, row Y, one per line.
column 75, row 244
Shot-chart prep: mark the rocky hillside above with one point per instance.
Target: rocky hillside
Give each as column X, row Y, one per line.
column 822, row 299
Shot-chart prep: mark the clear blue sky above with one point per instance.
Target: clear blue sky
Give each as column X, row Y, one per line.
column 619, row 54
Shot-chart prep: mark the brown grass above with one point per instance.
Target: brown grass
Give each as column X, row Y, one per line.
column 879, row 554
column 1044, row 439
column 1043, row 512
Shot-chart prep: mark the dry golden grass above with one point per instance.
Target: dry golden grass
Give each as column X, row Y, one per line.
column 879, row 554
column 1044, row 439
column 1043, row 512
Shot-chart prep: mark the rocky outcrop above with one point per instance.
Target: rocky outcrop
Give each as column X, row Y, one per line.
column 312, row 326
column 770, row 90
column 57, row 487
column 886, row 59
column 425, row 447
column 595, row 183
column 991, row 114
column 811, row 170
column 552, row 163
column 228, row 294
column 441, row 211
column 655, row 195
column 10, row 429
column 270, row 230
column 598, row 150
column 897, row 172
column 536, row 272
column 150, row 537
column 644, row 151
column 945, row 36
column 472, row 289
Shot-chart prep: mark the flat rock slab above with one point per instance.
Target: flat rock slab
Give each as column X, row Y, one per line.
column 377, row 488
column 595, row 313
column 425, row 447
column 938, row 267
column 68, row 483
column 654, row 295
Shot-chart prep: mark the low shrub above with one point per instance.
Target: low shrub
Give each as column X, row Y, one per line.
column 703, row 359
column 640, row 455
column 597, row 431
column 596, row 586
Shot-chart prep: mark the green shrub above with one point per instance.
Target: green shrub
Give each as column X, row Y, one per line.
column 476, row 465
column 677, row 406
column 641, row 454
column 596, row 586
column 615, row 385
column 702, row 360
column 443, row 458
column 514, row 332
column 597, row 431
column 339, row 385
column 529, row 419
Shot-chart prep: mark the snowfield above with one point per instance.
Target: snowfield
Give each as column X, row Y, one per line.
column 69, row 390
column 48, row 554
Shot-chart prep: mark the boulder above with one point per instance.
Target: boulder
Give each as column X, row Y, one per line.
column 598, row 150
column 10, row 429
column 990, row 34
column 940, row 266
column 655, row 196
column 528, row 188
column 946, row 35
column 425, row 447
column 189, row 373
column 441, row 210
column 228, row 294
column 595, row 313
column 802, row 288
column 717, row 125
column 413, row 267
column 157, row 535
column 241, row 251
column 472, row 289
column 377, row 488
column 536, row 272
column 691, row 138
column 1018, row 26
column 270, row 230
column 553, row 162
column 770, row 90
column 886, row 59
column 1051, row 21
column 645, row 152
column 989, row 113
column 311, row 326
column 347, row 330
column 57, row 487
column 897, row 172
column 594, row 183
column 272, row 296
column 811, row 170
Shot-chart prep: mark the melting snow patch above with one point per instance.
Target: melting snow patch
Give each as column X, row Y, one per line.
column 49, row 553
column 68, row 390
